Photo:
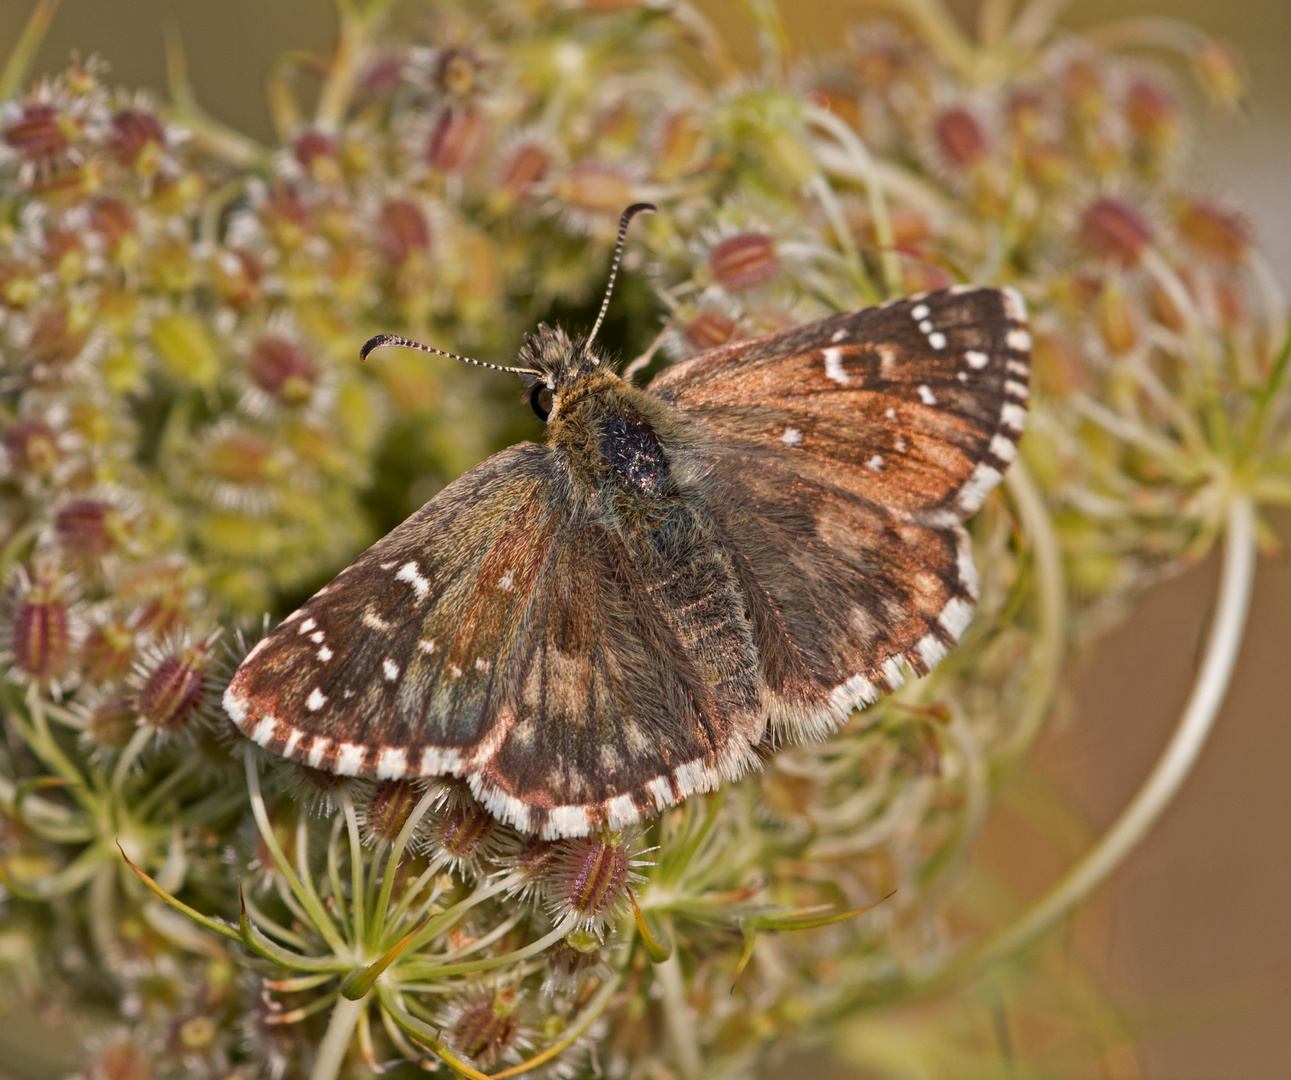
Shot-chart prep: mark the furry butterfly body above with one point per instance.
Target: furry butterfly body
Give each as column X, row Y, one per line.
column 590, row 629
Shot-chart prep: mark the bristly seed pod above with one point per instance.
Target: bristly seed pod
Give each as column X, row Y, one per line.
column 1213, row 231
column 402, row 229
column 745, row 260
column 85, row 528
column 462, row 831
column 486, row 1028
column 1111, row 229
column 281, row 369
column 111, row 723
column 172, row 683
column 708, row 329
column 40, row 627
column 388, row 809
column 590, row 879
column 961, row 139
column 455, row 139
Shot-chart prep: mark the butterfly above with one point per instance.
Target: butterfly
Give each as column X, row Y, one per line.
column 590, row 629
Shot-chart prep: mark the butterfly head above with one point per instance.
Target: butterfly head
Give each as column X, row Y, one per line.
column 558, row 363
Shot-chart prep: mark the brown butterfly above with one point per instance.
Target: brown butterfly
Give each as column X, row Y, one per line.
column 590, row 629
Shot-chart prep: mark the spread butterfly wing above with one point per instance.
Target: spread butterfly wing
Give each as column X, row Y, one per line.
column 916, row 406
column 846, row 600
column 842, row 457
column 495, row 638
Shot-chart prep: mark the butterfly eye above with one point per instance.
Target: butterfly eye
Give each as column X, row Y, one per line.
column 540, row 399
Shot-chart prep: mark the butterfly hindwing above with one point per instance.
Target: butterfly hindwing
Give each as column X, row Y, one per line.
column 916, row 405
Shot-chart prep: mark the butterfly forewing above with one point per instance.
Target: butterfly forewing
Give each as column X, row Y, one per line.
column 916, row 405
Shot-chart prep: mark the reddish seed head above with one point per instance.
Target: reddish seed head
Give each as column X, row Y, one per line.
column 239, row 458
column 1150, row 111
column 483, row 1031
column 41, row 634
column 172, row 691
column 31, row 446
column 236, row 276
column 39, row 134
column 961, row 139
column 1212, row 231
column 1113, row 230
column 745, row 260
column 455, row 139
column 596, row 186
column 84, row 527
column 593, row 875
column 464, row 829
column 133, row 131
column 281, row 368
column 389, row 808
column 112, row 723
column 108, row 653
column 111, row 218
column 311, row 145
column 401, row 230
column 708, row 329
column 53, row 342
column 527, row 166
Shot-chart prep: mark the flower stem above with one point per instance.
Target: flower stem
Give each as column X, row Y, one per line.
column 679, row 1019
column 1174, row 765
column 336, row 1041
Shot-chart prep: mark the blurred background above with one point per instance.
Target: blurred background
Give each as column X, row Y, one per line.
column 1191, row 939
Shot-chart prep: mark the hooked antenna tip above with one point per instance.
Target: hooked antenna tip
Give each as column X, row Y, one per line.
column 374, row 343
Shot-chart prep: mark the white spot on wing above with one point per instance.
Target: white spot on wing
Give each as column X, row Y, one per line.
column 306, row 626
column 926, row 395
column 930, row 651
column 956, row 616
column 1003, row 447
column 976, row 360
column 937, row 340
column 392, row 763
column 1018, row 339
column 325, row 654
column 317, row 637
column 875, row 464
column 349, row 759
column 834, row 366
column 837, row 336
column 316, row 700
column 481, row 664
column 921, row 311
column 264, row 730
column 373, row 621
column 390, row 668
column 427, row 646
column 620, row 811
column 890, row 413
column 1013, row 416
column 505, row 583
column 791, row 437
column 925, row 327
column 259, row 648
column 411, row 573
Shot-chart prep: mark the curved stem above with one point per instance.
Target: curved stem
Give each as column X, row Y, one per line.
column 1175, row 763
column 1051, row 613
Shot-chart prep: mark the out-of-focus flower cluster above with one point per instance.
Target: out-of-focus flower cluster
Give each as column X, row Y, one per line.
column 189, row 442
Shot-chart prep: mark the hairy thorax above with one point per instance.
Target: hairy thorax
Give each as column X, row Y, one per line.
column 611, row 436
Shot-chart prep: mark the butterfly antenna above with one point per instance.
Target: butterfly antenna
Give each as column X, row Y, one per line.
column 381, row 340
column 624, row 221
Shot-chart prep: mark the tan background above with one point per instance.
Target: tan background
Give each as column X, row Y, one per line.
column 1194, row 938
